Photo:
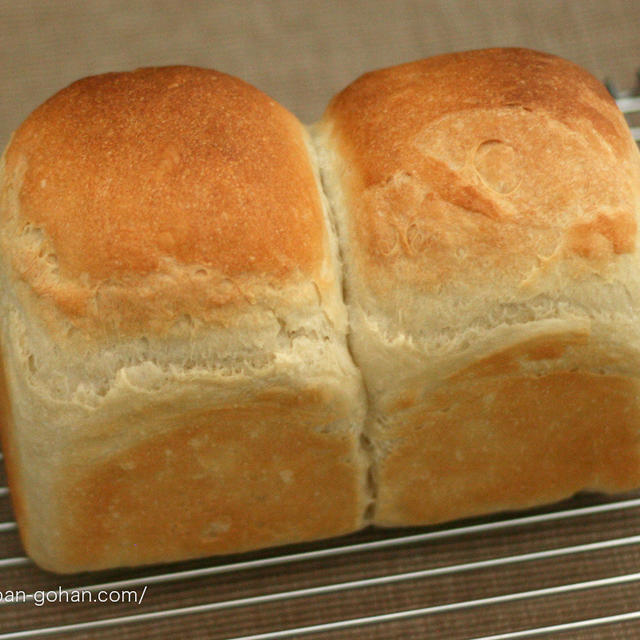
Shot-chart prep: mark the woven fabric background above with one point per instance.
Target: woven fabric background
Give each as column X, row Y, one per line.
column 302, row 53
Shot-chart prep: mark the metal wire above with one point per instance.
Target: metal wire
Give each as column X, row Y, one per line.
column 324, row 627
column 629, row 104
column 566, row 626
column 394, row 542
column 367, row 582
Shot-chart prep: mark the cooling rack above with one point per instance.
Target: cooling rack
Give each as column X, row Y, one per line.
column 571, row 571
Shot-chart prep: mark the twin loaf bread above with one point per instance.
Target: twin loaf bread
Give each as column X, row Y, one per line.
column 221, row 333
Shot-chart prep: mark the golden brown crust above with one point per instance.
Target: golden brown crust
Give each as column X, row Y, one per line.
column 495, row 436
column 220, row 480
column 509, row 160
column 383, row 109
column 132, row 175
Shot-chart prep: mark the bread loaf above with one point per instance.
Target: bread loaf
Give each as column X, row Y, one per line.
column 174, row 338
column 221, row 333
column 487, row 204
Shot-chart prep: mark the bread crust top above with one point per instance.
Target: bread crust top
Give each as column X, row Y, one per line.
column 184, row 182
column 498, row 170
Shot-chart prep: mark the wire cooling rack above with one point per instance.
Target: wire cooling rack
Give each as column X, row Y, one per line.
column 571, row 571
